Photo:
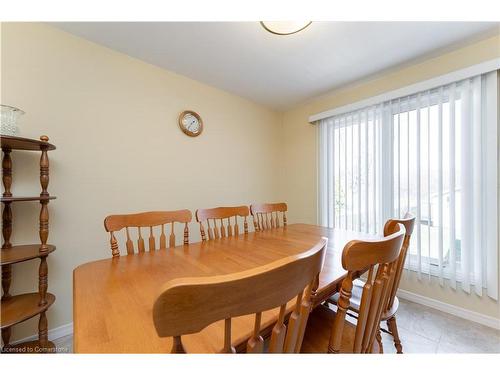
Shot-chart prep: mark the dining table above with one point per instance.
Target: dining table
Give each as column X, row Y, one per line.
column 113, row 298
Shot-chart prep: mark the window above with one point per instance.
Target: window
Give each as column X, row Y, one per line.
column 432, row 153
column 427, row 182
column 351, row 200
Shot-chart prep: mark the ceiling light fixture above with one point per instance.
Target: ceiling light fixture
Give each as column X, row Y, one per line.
column 284, row 27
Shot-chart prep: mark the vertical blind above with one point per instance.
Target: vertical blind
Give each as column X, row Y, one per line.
column 433, row 154
column 349, row 158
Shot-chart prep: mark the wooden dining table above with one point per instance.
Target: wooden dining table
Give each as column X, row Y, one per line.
column 113, row 298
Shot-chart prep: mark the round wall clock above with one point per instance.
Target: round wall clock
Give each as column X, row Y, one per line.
column 191, row 123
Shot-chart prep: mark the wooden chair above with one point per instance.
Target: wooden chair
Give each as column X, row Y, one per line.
column 380, row 259
column 266, row 215
column 215, row 219
column 188, row 305
column 152, row 219
column 392, row 304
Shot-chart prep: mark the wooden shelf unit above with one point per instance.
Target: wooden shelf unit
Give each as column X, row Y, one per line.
column 22, row 253
column 25, row 199
column 18, row 308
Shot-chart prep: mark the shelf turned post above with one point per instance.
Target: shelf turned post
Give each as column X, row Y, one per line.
column 6, row 333
column 6, row 172
column 6, row 225
column 43, row 280
column 44, row 195
column 6, row 233
column 6, row 279
column 44, row 231
column 43, row 337
column 7, row 212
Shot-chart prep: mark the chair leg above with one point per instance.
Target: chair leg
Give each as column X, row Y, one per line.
column 393, row 328
column 378, row 337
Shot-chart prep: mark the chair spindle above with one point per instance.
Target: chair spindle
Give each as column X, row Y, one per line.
column 222, row 229
column 171, row 240
column 228, row 347
column 278, row 334
column 177, row 347
column 256, row 343
column 186, row 234
column 129, row 244
column 163, row 238
column 114, row 246
column 151, row 240
column 229, row 228
column 140, row 241
column 293, row 326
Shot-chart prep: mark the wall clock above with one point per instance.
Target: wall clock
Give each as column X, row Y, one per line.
column 191, row 123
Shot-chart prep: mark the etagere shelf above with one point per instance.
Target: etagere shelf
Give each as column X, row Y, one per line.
column 18, row 308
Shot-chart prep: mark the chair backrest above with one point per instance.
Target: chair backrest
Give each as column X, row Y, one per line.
column 221, row 221
column 408, row 222
column 149, row 220
column 266, row 215
column 188, row 305
column 379, row 258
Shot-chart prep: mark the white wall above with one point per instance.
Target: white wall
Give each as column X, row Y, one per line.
column 119, row 148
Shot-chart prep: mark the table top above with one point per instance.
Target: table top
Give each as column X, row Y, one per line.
column 113, row 298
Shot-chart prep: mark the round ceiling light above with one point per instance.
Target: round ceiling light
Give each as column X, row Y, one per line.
column 285, row 27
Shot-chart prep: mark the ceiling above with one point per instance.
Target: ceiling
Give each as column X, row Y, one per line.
column 280, row 71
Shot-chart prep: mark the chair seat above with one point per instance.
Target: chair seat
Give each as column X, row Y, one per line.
column 355, row 301
column 318, row 330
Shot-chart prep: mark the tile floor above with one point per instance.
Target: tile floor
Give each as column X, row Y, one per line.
column 421, row 329
column 426, row 330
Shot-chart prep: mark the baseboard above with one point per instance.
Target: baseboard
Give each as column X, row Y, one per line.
column 54, row 333
column 451, row 309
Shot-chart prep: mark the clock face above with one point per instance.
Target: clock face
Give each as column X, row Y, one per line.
column 190, row 123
